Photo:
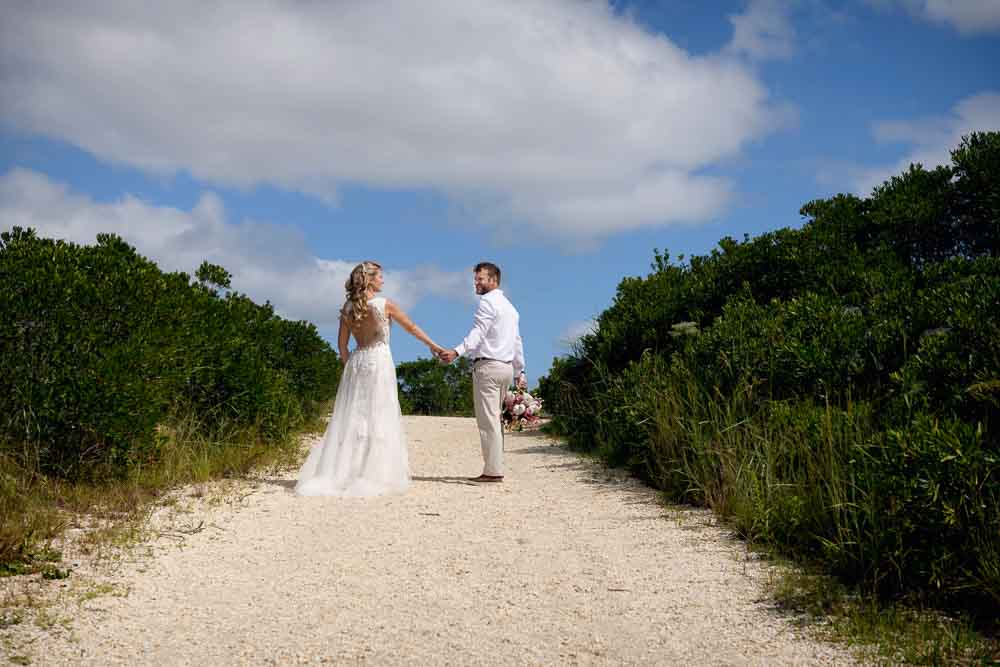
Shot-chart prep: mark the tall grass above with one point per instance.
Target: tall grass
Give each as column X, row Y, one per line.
column 830, row 390
column 120, row 380
column 35, row 509
column 28, row 518
column 821, row 485
column 783, row 473
column 895, row 634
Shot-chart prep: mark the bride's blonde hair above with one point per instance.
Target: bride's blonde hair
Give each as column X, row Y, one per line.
column 357, row 289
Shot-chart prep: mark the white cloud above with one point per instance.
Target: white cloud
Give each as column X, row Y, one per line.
column 931, row 139
column 966, row 16
column 575, row 331
column 558, row 114
column 267, row 262
column 763, row 31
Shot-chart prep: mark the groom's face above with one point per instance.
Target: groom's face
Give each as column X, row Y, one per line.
column 484, row 282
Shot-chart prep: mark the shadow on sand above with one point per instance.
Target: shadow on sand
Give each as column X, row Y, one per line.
column 590, row 470
column 283, row 483
column 446, row 480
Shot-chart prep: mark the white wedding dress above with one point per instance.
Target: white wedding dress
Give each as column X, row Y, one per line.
column 363, row 451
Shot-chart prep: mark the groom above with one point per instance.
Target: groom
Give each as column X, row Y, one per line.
column 494, row 345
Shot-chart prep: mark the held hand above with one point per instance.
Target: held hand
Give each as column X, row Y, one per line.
column 436, row 350
column 522, row 382
column 448, row 356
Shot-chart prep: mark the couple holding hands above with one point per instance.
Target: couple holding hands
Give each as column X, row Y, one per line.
column 363, row 451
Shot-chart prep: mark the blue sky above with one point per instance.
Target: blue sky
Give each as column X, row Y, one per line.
column 562, row 140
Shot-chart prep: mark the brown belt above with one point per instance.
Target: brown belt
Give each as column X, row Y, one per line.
column 478, row 359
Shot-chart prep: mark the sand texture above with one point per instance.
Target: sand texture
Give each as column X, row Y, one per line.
column 565, row 563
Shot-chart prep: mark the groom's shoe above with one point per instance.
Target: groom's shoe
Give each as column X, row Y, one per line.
column 487, row 478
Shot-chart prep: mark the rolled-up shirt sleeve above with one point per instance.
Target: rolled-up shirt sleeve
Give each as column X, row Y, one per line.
column 481, row 323
column 518, row 355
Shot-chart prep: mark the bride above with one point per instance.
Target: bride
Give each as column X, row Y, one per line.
column 363, row 452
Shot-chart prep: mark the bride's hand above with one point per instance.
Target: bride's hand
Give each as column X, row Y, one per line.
column 436, row 349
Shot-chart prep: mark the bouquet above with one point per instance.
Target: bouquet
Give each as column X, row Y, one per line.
column 520, row 410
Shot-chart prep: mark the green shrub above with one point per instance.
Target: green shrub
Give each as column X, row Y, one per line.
column 99, row 346
column 834, row 390
column 955, row 366
column 565, row 391
column 428, row 387
column 626, row 419
column 936, row 510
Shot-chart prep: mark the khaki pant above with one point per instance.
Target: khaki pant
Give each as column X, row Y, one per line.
column 490, row 380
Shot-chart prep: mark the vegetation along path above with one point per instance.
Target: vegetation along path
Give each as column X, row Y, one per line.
column 564, row 563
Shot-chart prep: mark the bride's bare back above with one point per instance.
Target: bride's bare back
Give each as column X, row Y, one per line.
column 371, row 329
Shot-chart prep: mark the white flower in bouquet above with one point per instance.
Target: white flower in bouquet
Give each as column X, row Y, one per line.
column 519, row 409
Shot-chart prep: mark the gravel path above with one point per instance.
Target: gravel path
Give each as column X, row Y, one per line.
column 564, row 563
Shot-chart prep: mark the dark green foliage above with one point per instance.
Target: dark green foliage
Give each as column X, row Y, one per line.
column 213, row 275
column 565, row 388
column 428, row 387
column 99, row 346
column 624, row 427
column 834, row 390
column 976, row 200
column 955, row 365
column 910, row 214
column 806, row 346
column 935, row 497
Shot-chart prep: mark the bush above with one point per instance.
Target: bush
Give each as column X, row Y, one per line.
column 428, row 387
column 935, row 518
column 832, row 389
column 98, row 346
column 627, row 414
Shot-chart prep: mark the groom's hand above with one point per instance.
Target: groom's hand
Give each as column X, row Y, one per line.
column 448, row 356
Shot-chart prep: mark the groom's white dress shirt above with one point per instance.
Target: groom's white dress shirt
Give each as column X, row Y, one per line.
column 495, row 332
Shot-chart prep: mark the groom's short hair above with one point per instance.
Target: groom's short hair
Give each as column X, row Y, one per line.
column 491, row 269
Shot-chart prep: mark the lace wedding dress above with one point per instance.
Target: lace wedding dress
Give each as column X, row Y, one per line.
column 363, row 452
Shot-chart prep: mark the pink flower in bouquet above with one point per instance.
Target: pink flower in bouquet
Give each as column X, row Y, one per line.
column 520, row 409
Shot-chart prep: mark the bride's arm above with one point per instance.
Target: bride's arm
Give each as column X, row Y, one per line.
column 396, row 313
column 343, row 337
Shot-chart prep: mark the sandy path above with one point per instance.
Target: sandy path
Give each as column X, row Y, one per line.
column 564, row 563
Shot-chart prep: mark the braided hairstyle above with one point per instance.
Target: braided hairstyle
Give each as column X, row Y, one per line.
column 357, row 289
